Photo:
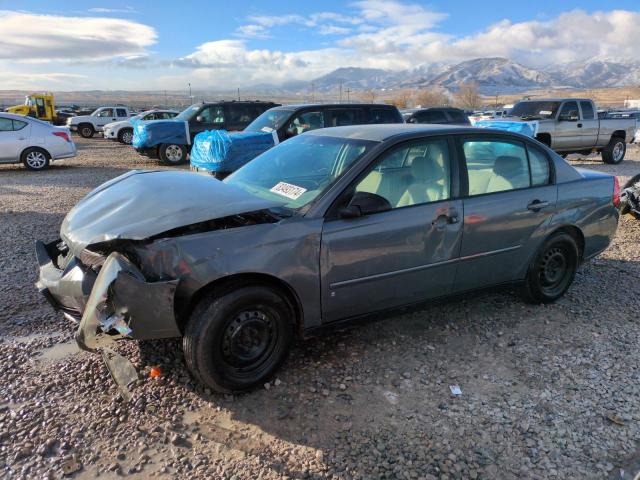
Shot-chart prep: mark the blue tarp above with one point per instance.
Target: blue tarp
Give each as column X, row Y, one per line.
column 219, row 151
column 525, row 128
column 154, row 132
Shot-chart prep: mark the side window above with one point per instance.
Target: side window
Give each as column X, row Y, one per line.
column 121, row 112
column 569, row 112
column 587, row 110
column 495, row 166
column 6, row 125
column 383, row 115
column 345, row 116
column 169, row 114
column 240, row 113
column 18, row 125
column 151, row 116
column 458, row 116
column 307, row 121
column 539, row 164
column 212, row 114
column 434, row 116
column 107, row 112
column 414, row 173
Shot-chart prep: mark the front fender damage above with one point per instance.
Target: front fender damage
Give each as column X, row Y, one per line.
column 123, row 305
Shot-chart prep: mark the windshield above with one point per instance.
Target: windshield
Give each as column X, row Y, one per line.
column 543, row 109
column 298, row 171
column 187, row 113
column 269, row 121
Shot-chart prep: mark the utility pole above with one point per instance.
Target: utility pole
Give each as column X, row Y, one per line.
column 313, row 92
column 238, row 93
column 340, row 91
column 348, row 92
column 496, row 107
column 166, row 104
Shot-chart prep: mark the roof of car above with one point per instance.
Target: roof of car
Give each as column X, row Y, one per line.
column 15, row 116
column 555, row 99
column 422, row 109
column 382, row 132
column 333, row 105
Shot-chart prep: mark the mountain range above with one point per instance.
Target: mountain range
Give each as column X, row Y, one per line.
column 491, row 74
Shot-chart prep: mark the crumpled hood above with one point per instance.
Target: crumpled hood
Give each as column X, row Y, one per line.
column 143, row 203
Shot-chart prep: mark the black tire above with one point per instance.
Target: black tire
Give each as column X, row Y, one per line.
column 614, row 152
column 172, row 153
column 35, row 159
column 86, row 130
column 125, row 136
column 213, row 341
column 553, row 269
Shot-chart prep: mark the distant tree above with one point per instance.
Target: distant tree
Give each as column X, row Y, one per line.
column 468, row 96
column 368, row 96
column 400, row 100
column 431, row 97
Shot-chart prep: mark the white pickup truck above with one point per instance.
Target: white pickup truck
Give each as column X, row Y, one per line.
column 571, row 125
column 88, row 125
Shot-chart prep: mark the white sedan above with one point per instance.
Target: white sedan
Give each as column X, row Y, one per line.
column 123, row 131
column 33, row 142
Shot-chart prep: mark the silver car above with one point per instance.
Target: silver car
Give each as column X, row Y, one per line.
column 33, row 142
column 329, row 226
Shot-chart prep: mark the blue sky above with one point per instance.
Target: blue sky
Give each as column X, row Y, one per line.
column 159, row 44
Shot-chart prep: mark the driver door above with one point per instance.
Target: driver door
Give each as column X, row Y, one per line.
column 406, row 254
column 106, row 115
column 210, row 117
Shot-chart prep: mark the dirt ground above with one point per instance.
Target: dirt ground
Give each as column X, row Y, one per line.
column 547, row 391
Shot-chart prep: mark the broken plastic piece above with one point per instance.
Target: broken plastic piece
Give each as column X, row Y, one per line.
column 455, row 389
column 122, row 371
column 155, row 372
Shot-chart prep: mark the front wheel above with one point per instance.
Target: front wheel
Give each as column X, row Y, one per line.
column 86, row 130
column 552, row 270
column 35, row 158
column 172, row 154
column 615, row 151
column 236, row 341
column 125, row 136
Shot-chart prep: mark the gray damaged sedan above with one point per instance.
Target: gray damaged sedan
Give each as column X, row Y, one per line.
column 326, row 227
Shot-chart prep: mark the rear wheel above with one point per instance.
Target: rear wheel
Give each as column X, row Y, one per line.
column 552, row 270
column 236, row 341
column 615, row 151
column 125, row 136
column 86, row 130
column 35, row 158
column 172, row 154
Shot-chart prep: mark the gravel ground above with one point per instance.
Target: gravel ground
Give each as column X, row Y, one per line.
column 547, row 391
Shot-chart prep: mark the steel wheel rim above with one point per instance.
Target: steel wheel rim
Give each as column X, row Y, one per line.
column 249, row 340
column 86, row 131
column 618, row 150
column 126, row 137
column 36, row 159
column 173, row 153
column 555, row 270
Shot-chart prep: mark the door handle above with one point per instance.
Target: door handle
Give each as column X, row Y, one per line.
column 444, row 220
column 579, row 125
column 537, row 205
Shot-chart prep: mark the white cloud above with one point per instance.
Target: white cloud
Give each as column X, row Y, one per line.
column 112, row 10
column 38, row 81
column 394, row 35
column 70, row 38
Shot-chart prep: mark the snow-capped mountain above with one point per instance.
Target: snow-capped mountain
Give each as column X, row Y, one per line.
column 491, row 75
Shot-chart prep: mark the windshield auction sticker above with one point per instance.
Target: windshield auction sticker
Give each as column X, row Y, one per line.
column 287, row 190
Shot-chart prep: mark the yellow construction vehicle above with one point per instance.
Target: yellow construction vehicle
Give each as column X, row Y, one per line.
column 37, row 105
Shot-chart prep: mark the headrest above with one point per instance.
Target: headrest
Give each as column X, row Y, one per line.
column 507, row 166
column 426, row 169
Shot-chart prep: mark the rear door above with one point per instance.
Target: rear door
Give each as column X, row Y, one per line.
column 589, row 125
column 510, row 195
column 402, row 256
column 14, row 138
column 238, row 115
column 568, row 135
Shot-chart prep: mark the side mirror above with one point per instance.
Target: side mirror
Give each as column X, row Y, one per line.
column 412, row 120
column 364, row 203
column 200, row 119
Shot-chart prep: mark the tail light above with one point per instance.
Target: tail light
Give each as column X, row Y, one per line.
column 616, row 192
column 63, row 135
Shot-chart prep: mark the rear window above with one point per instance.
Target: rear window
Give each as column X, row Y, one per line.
column 384, row 115
column 458, row 116
column 587, row 110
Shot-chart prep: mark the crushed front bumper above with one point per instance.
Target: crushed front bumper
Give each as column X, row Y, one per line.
column 111, row 300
